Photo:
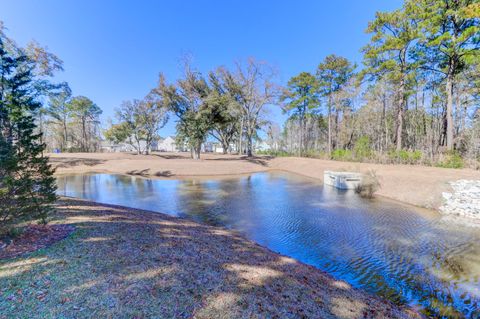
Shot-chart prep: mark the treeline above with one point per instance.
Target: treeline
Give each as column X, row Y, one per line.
column 416, row 99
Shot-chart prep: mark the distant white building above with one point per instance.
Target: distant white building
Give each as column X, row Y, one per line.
column 167, row 145
column 110, row 147
column 218, row 148
column 262, row 146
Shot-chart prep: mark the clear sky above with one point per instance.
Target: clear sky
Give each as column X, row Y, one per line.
column 114, row 50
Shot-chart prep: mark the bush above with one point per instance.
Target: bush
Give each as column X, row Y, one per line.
column 405, row 157
column 342, row 155
column 416, row 156
column 362, row 149
column 369, row 185
column 451, row 160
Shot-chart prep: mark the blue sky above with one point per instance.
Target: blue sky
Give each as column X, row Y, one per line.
column 114, row 50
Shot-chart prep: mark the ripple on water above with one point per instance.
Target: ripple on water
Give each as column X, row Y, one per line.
column 404, row 254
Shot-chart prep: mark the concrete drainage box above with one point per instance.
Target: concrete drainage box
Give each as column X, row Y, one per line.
column 342, row 180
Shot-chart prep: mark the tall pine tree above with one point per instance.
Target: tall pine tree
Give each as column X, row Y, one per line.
column 449, row 43
column 333, row 74
column 387, row 56
column 301, row 95
column 27, row 185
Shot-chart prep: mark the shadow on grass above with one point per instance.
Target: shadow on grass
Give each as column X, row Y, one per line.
column 66, row 162
column 131, row 264
column 169, row 156
column 263, row 160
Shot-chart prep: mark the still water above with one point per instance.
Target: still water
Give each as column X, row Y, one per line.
column 398, row 252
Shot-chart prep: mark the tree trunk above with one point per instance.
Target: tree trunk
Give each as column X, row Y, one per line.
column 240, row 136
column 302, row 130
column 249, row 145
column 139, row 151
column 401, row 102
column 225, row 146
column 424, row 119
column 384, row 122
column 300, row 149
column 329, row 124
column 65, row 135
column 336, row 140
column 449, row 89
column 84, row 134
column 196, row 151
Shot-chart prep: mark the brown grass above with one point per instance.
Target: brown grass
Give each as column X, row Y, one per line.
column 126, row 263
column 32, row 238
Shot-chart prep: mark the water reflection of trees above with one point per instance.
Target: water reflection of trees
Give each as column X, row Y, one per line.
column 199, row 200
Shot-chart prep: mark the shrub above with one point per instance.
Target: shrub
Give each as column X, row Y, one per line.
column 369, row 185
column 342, row 155
column 451, row 160
column 416, row 157
column 392, row 156
column 362, row 149
column 405, row 157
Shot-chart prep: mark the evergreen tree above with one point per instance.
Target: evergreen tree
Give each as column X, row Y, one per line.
column 301, row 95
column 27, row 185
column 449, row 44
column 60, row 112
column 86, row 113
column 333, row 74
column 386, row 56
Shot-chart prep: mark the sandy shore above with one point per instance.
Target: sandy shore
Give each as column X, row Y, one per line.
column 417, row 185
column 127, row 263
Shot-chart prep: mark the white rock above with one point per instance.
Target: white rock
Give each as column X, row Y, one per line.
column 465, row 199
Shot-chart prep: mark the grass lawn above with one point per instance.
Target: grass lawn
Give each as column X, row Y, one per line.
column 125, row 263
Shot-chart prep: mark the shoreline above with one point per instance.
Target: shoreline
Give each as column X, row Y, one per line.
column 419, row 186
column 235, row 277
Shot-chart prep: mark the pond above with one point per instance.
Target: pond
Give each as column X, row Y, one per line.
column 401, row 253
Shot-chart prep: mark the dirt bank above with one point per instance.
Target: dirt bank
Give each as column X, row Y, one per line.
column 417, row 185
column 127, row 263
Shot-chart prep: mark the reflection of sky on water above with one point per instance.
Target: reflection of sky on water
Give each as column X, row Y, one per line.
column 387, row 248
